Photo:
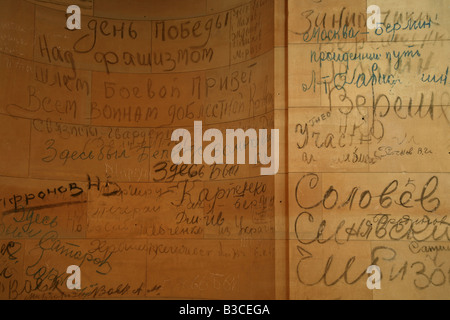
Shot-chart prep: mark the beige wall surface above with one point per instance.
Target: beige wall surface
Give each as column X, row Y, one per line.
column 368, row 149
column 87, row 179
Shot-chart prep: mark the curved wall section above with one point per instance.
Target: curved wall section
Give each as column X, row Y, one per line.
column 86, row 176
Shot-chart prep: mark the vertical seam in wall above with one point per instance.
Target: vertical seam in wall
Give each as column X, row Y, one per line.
column 146, row 270
column 368, row 144
column 366, row 107
column 229, row 38
column 286, row 156
column 91, row 75
column 89, row 109
column 149, row 166
column 29, row 149
column 31, row 121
